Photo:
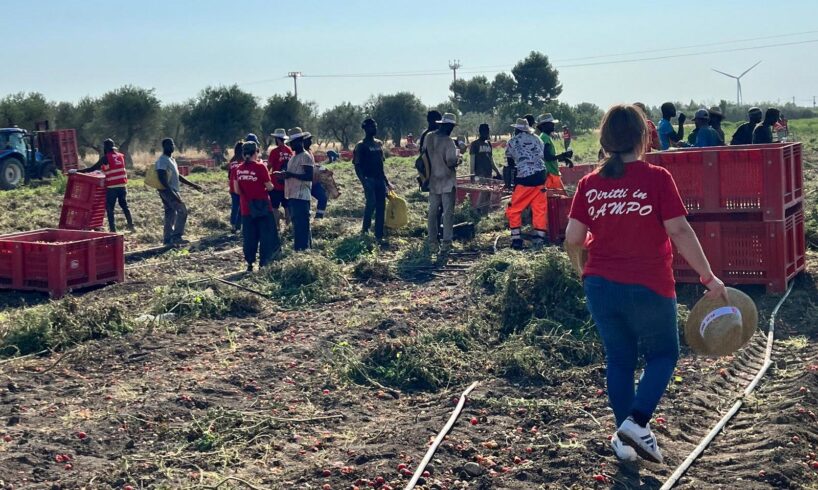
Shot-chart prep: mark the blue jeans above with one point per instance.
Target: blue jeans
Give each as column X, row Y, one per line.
column 320, row 195
column 235, row 210
column 631, row 318
column 300, row 219
column 375, row 194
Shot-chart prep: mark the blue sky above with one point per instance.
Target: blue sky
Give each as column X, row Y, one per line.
column 87, row 47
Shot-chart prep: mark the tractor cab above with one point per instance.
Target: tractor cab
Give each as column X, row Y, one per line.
column 35, row 155
column 15, row 153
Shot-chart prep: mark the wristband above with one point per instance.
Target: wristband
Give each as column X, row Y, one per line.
column 708, row 281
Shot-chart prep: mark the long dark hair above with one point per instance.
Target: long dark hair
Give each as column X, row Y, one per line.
column 623, row 130
column 248, row 149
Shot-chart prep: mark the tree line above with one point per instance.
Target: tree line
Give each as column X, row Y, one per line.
column 135, row 117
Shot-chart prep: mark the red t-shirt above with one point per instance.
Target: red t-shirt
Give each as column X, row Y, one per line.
column 251, row 177
column 654, row 136
column 277, row 161
column 231, row 175
column 566, row 135
column 628, row 242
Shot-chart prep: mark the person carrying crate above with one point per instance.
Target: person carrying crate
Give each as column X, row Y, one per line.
column 112, row 164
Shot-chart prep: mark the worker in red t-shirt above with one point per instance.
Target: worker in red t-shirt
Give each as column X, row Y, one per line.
column 653, row 140
column 626, row 215
column 276, row 162
column 566, row 137
column 260, row 230
column 235, row 202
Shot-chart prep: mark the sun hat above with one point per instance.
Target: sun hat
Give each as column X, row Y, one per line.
column 546, row 118
column 297, row 133
column 448, row 118
column 280, row 133
column 717, row 329
column 522, row 125
column 715, row 111
column 702, row 114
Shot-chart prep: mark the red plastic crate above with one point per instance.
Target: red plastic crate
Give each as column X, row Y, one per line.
column 466, row 187
column 57, row 261
column 750, row 178
column 768, row 253
column 61, row 146
column 83, row 206
column 345, row 155
column 184, row 170
column 572, row 176
column 558, row 209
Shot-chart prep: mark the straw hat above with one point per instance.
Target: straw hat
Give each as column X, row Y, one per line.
column 547, row 118
column 448, row 118
column 716, row 329
column 522, row 125
column 280, row 133
column 297, row 132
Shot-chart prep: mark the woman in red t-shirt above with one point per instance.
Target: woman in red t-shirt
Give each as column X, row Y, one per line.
column 626, row 214
column 259, row 228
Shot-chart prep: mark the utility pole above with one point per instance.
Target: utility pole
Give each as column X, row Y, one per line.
column 454, row 65
column 793, row 100
column 813, row 102
column 294, row 75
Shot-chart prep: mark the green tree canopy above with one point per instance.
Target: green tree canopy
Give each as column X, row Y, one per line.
column 473, row 95
column 221, row 114
column 343, row 123
column 128, row 113
column 285, row 111
column 536, row 79
column 24, row 110
column 398, row 114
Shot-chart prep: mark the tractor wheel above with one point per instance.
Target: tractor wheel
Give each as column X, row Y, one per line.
column 49, row 171
column 12, row 174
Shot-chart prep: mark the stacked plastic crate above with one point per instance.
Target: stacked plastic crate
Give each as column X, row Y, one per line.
column 745, row 204
column 83, row 206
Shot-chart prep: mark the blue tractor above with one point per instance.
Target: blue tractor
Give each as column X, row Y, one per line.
column 38, row 155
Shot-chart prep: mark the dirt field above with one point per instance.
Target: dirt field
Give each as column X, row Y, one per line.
column 334, row 380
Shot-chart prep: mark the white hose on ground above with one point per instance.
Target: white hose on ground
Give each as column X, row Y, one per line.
column 431, row 452
column 680, row 471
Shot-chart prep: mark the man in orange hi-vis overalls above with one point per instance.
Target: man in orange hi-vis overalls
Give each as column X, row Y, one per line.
column 524, row 153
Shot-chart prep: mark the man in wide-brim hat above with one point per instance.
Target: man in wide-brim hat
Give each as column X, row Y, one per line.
column 297, row 188
column 716, row 117
column 277, row 162
column 524, row 154
column 444, row 158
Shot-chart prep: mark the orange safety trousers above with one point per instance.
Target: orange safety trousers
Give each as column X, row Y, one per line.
column 554, row 182
column 523, row 197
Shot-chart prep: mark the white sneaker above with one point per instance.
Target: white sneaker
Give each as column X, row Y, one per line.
column 641, row 439
column 622, row 450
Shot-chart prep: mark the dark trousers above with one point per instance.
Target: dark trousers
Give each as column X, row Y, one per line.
column 113, row 195
column 175, row 216
column 375, row 193
column 300, row 219
column 320, row 195
column 260, row 235
column 235, row 211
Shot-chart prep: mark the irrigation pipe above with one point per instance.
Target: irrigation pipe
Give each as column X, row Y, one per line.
column 680, row 471
column 431, row 452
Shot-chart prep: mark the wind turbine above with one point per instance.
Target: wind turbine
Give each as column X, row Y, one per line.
column 738, row 80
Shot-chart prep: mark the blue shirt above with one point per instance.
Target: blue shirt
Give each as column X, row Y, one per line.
column 707, row 136
column 665, row 129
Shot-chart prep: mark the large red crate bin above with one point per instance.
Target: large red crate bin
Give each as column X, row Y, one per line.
column 558, row 209
column 57, row 261
column 748, row 251
column 184, row 170
column 61, row 145
column 83, row 206
column 728, row 179
column 572, row 176
column 472, row 187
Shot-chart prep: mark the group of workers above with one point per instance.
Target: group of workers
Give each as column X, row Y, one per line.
column 708, row 132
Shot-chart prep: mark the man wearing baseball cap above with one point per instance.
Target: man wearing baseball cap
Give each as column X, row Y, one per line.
column 277, row 162
column 744, row 133
column 763, row 132
column 704, row 135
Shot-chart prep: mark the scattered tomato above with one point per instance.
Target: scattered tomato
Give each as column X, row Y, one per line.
column 661, row 420
column 529, row 450
column 326, row 473
column 518, row 460
column 600, row 392
column 326, row 486
column 802, row 390
column 723, row 373
column 601, row 478
column 795, row 439
column 380, row 480
column 7, row 438
column 401, row 466
column 81, row 435
column 814, row 465
column 762, row 474
column 426, row 474
column 474, row 421
column 68, row 466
